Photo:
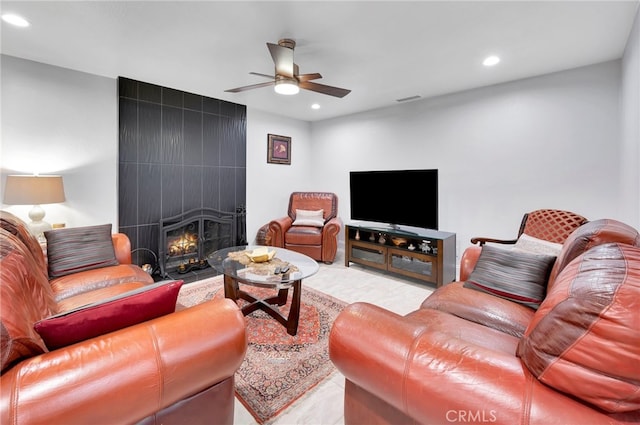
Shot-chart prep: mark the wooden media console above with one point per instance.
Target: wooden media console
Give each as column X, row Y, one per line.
column 422, row 254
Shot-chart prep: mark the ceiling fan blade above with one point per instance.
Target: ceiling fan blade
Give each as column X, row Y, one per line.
column 263, row 75
column 321, row 88
column 309, row 77
column 282, row 58
column 253, row 86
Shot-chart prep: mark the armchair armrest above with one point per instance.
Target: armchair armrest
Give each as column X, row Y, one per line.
column 277, row 229
column 122, row 247
column 125, row 376
column 468, row 261
column 330, row 233
column 481, row 241
column 332, row 227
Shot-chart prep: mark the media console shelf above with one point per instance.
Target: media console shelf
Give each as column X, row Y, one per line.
column 423, row 254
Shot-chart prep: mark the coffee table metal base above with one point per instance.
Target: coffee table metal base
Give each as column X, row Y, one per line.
column 233, row 291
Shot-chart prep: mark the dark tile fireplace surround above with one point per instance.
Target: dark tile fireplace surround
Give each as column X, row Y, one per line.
column 181, row 155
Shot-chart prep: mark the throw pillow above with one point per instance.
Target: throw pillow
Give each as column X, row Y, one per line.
column 537, row 246
column 585, row 339
column 109, row 315
column 309, row 218
column 77, row 249
column 516, row 276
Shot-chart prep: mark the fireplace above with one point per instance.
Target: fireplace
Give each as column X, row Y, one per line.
column 186, row 240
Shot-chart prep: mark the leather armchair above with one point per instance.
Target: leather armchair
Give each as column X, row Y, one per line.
column 318, row 242
column 546, row 224
column 549, row 225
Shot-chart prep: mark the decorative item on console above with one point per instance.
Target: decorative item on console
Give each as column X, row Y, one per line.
column 382, row 239
column 425, row 246
column 398, row 241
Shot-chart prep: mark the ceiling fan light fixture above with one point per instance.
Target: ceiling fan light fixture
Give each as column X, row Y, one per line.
column 286, row 86
column 287, row 79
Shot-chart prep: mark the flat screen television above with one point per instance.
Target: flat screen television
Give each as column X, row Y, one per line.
column 395, row 197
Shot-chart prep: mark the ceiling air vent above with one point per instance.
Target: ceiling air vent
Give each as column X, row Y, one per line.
column 406, row 99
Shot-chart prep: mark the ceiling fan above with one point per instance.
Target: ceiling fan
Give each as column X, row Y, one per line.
column 287, row 79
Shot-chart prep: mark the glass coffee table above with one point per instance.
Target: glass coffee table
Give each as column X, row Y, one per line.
column 285, row 270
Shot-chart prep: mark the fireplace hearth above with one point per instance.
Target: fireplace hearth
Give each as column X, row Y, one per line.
column 186, row 240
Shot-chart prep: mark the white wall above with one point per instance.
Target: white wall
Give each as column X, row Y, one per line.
column 269, row 185
column 59, row 121
column 562, row 129
column 630, row 125
column 545, row 142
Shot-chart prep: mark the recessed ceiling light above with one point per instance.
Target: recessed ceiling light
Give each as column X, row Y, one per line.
column 315, row 106
column 16, row 20
column 491, row 60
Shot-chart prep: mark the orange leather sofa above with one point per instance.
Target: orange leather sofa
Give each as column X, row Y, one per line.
column 318, row 241
column 174, row 369
column 466, row 356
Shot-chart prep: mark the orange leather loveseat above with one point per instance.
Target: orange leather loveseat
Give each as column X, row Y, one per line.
column 468, row 356
column 176, row 368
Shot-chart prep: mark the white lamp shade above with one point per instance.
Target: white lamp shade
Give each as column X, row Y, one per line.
column 33, row 190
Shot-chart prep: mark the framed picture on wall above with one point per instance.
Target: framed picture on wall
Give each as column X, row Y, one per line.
column 278, row 149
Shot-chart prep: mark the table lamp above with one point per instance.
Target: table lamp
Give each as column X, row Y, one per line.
column 34, row 190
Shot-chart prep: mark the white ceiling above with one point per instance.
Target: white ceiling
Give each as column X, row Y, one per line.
column 382, row 51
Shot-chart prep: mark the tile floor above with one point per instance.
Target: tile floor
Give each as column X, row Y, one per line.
column 324, row 404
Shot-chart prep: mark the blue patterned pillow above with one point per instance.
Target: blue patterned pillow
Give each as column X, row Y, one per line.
column 511, row 274
column 77, row 249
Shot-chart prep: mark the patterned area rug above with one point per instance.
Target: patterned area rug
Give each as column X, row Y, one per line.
column 278, row 368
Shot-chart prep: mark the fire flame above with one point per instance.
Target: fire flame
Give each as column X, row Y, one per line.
column 186, row 244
